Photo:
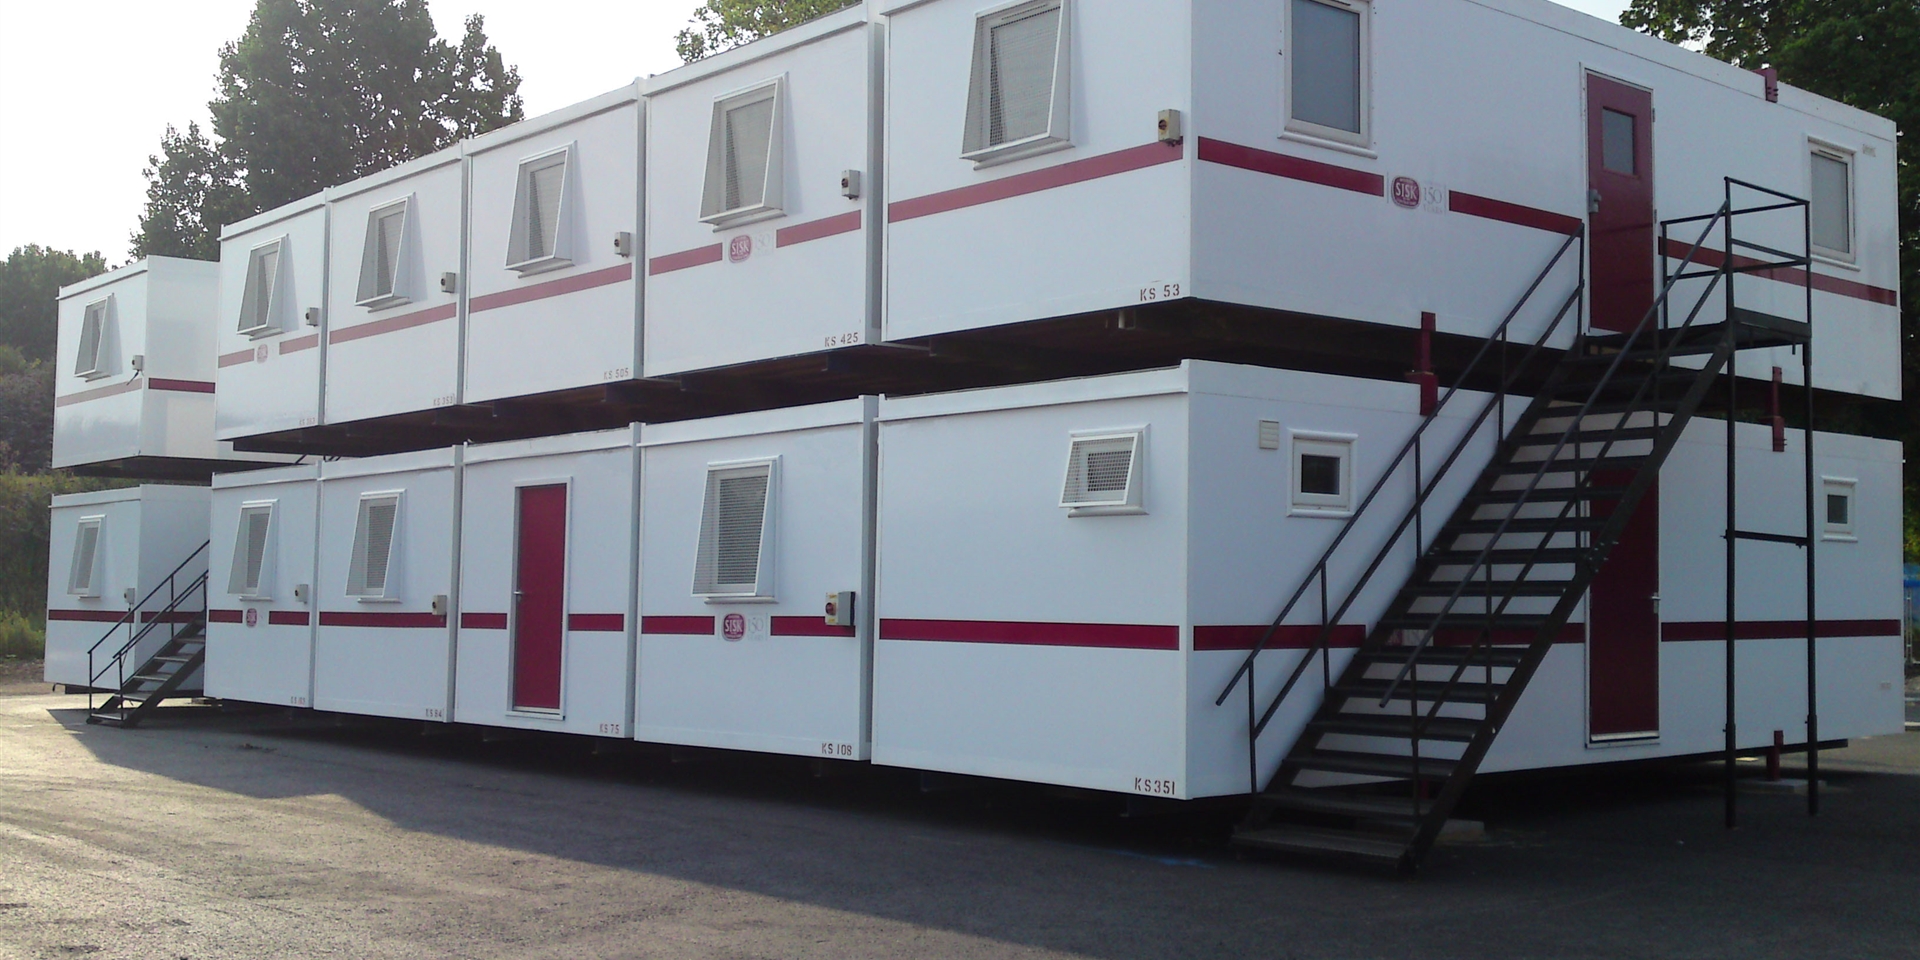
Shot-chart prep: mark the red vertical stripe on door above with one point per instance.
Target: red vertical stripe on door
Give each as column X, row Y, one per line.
column 540, row 578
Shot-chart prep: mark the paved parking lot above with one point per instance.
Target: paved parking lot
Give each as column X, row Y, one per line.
column 208, row 835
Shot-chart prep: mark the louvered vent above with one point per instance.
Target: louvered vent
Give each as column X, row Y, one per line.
column 93, row 328
column 256, row 297
column 538, row 240
column 372, row 547
column 1102, row 472
column 86, row 559
column 250, row 550
column 743, row 157
column 380, row 262
column 1018, row 90
column 733, row 525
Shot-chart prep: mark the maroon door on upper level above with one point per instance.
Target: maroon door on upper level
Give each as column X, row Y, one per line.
column 540, row 595
column 1619, row 202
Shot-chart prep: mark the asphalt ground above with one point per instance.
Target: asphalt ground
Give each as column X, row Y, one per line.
column 215, row 834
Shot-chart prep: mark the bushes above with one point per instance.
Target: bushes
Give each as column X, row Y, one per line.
column 21, row 636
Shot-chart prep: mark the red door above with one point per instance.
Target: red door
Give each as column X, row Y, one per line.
column 540, row 596
column 1623, row 632
column 1620, row 202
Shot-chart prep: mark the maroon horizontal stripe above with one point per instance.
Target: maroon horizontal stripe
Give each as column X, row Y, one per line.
column 597, row 622
column 297, row 344
column 806, row 627
column 667, row 263
column 1034, row 181
column 1709, row 257
column 1777, row 629
column 237, row 357
column 162, row 616
column 417, row 318
column 92, row 616
column 483, row 621
column 288, row 618
column 684, row 626
column 1501, row 210
column 98, row 392
column 815, row 229
column 1289, row 637
column 551, row 288
column 1291, row 167
column 1120, row 636
column 347, row 618
column 180, row 386
column 223, row 616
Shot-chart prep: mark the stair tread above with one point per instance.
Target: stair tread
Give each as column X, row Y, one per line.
column 1452, row 729
column 1568, row 524
column 1289, row 838
column 1504, row 621
column 1496, row 588
column 1574, row 464
column 1449, row 655
column 1457, row 558
column 1344, row 802
column 1398, row 766
column 1468, row 690
column 1601, row 435
column 1548, row 494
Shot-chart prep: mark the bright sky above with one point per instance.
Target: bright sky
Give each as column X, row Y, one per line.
column 92, row 85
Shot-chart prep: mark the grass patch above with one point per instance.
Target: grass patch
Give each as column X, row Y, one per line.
column 21, row 637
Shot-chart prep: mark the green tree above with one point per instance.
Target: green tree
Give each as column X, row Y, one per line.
column 30, row 279
column 317, row 93
column 192, row 190
column 722, row 24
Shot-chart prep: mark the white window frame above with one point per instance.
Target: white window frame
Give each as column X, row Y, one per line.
column 401, row 290
column 975, row 144
column 761, row 590
column 1078, row 501
column 95, row 366
column 387, row 590
column 97, row 565
column 1308, row 442
column 1306, row 128
column 518, row 258
column 266, row 321
column 1840, row 486
column 1846, row 157
column 262, row 586
column 714, row 189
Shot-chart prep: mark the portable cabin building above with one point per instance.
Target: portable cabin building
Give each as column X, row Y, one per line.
column 116, row 559
column 1195, row 498
column 395, row 256
column 552, row 296
column 756, row 627
column 548, row 536
column 260, row 623
column 1361, row 161
column 134, row 373
column 762, row 206
column 384, row 584
column 271, row 320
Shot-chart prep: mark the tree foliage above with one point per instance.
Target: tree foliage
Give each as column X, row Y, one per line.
column 317, row 93
column 723, row 24
column 24, row 522
column 26, row 417
column 30, row 279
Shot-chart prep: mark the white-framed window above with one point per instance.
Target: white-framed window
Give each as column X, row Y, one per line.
column 735, row 556
column 252, row 573
column 83, row 574
column 96, row 329
column 383, row 280
column 370, row 569
column 1836, row 508
column 1326, row 50
column 1322, row 474
column 744, row 156
column 1830, row 197
column 259, row 295
column 540, row 239
column 1106, row 473
column 1019, row 100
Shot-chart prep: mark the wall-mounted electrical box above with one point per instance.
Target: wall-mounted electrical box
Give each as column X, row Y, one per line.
column 623, row 243
column 839, row 611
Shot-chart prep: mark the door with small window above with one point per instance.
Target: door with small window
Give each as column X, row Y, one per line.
column 539, row 595
column 1620, row 202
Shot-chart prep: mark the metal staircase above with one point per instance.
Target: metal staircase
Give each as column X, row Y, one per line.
column 1421, row 701
column 173, row 670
